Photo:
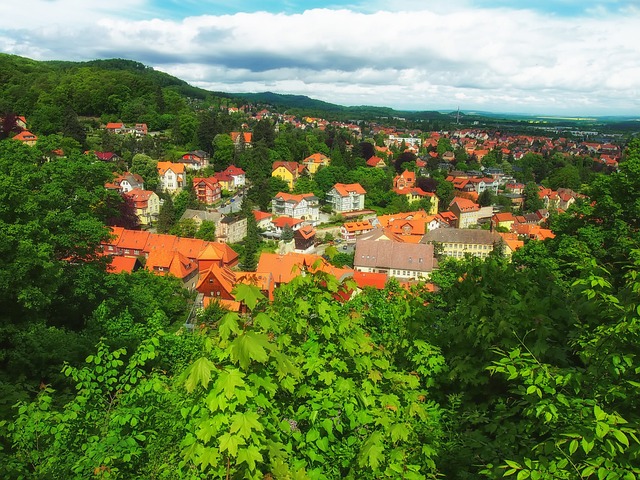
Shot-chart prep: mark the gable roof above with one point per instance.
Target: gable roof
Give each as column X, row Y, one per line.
column 344, row 189
column 464, row 204
column 280, row 222
column 286, row 267
column 394, row 255
column 133, row 239
column 461, row 235
column 370, row 279
column 175, row 167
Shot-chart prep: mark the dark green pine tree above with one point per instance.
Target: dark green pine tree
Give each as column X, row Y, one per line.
column 166, row 217
column 249, row 259
column 287, row 234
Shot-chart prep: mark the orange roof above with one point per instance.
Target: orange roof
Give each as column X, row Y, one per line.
column 116, row 233
column 190, row 247
column 133, row 239
column 175, row 167
column 375, row 161
column 289, row 197
column 307, row 232
column 224, row 275
column 316, row 158
column 140, row 197
column 353, row 227
column 25, row 136
column 210, row 252
column 247, row 136
column 465, row 205
column 504, row 217
column 512, row 240
column 165, row 262
column 114, row 125
column 280, row 222
column 160, row 241
column 258, row 215
column 344, row 189
column 121, row 264
column 368, row 279
column 286, row 267
column 293, row 167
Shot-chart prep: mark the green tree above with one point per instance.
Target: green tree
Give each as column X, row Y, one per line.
column 207, row 231
column 532, row 200
column 287, row 233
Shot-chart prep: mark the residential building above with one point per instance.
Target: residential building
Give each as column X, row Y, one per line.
column 146, row 204
column 404, row 261
column 172, row 176
column 350, row 230
column 263, row 219
column 503, row 219
column 304, row 239
column 406, row 179
column 207, row 190
column 457, row 242
column 242, row 139
column 468, row 212
column 287, row 171
column 196, row 159
column 313, row 162
column 279, row 223
column 231, row 229
column 163, row 262
column 237, row 175
column 26, row 137
column 304, row 206
column 126, row 182
column 286, row 267
column 376, row 162
column 346, row 197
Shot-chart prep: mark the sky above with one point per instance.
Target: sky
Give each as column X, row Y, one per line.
column 561, row 57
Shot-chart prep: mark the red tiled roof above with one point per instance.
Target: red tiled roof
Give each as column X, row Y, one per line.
column 368, row 279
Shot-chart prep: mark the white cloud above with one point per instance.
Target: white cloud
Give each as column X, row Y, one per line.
column 495, row 59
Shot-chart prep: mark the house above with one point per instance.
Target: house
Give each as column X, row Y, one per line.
column 217, row 282
column 231, row 229
column 403, row 261
column 287, row 267
column 457, row 242
column 237, row 175
column 125, row 182
column 304, row 206
column 140, row 129
column 468, row 212
column 242, row 139
column 207, row 190
column 503, row 219
column 376, row 162
column 304, row 239
column 26, row 137
column 278, row 224
column 346, row 197
column 406, row 179
column 313, row 162
column 123, row 264
column 448, row 157
column 369, row 279
column 287, row 171
column 172, row 176
column 196, row 159
column 263, row 219
column 415, row 194
column 107, row 157
column 131, row 243
column 115, row 127
column 350, row 230
column 225, row 181
column 146, row 204
column 166, row 262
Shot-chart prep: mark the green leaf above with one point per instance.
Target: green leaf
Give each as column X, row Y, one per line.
column 372, row 452
column 229, row 324
column 573, row 446
column 602, row 429
column 399, row 431
column 599, row 414
column 249, row 294
column 250, row 456
column 327, row 377
column 199, row 372
column 230, row 443
column 250, row 346
column 587, row 445
column 621, row 437
column 243, row 423
column 228, row 380
column 524, row 474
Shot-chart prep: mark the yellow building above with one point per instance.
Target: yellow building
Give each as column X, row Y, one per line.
column 313, row 162
column 287, row 171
